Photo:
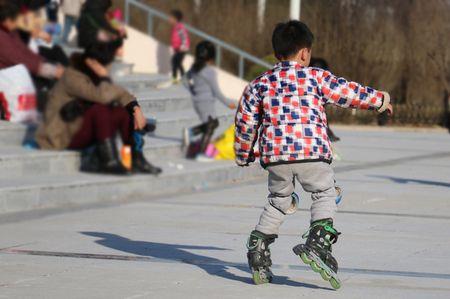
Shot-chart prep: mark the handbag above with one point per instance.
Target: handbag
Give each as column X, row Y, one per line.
column 18, row 99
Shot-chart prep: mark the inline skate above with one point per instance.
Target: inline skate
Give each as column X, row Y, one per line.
column 316, row 252
column 259, row 256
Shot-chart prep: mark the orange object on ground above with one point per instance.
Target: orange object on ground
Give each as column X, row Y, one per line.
column 125, row 155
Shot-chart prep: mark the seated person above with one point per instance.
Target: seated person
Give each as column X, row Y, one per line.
column 14, row 51
column 85, row 108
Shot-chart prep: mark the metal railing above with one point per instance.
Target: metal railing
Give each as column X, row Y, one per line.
column 220, row 45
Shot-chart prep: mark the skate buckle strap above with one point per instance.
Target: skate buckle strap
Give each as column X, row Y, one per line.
column 260, row 237
column 252, row 247
column 327, row 225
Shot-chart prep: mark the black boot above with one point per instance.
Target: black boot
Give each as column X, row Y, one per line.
column 211, row 126
column 141, row 165
column 109, row 158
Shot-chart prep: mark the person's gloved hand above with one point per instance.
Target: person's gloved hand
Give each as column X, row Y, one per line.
column 251, row 158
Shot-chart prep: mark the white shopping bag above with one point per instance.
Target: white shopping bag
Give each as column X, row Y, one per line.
column 18, row 100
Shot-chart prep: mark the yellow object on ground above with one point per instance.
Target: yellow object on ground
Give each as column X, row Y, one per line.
column 225, row 145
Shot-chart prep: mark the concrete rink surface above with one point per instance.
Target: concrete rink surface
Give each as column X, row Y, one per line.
column 394, row 220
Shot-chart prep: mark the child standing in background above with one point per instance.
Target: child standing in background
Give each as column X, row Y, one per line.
column 180, row 44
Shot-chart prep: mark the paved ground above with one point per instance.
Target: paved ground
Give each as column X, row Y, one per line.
column 394, row 219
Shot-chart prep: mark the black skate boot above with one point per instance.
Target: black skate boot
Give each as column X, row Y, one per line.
column 259, row 256
column 316, row 252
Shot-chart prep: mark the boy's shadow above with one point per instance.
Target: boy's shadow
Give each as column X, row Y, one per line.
column 180, row 253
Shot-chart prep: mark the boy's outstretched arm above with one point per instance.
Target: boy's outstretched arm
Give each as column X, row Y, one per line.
column 346, row 94
column 248, row 120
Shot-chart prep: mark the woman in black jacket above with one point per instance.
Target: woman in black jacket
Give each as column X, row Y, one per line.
column 94, row 25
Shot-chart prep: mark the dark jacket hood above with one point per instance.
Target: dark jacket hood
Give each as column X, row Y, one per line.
column 97, row 6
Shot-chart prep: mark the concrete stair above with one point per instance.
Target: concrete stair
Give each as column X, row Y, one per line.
column 40, row 181
column 16, row 162
column 45, row 192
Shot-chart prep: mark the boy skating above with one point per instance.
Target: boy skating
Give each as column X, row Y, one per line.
column 284, row 108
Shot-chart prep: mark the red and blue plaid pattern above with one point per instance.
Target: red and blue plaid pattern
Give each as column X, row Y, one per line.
column 285, row 107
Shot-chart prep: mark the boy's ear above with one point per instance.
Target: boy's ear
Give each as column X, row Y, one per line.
column 304, row 56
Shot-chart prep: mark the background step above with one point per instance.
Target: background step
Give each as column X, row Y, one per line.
column 45, row 191
column 159, row 100
column 169, row 123
column 172, row 123
column 136, row 82
column 12, row 134
column 120, row 69
column 18, row 161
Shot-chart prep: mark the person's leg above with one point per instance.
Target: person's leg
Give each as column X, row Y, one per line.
column 96, row 127
column 69, row 23
column 318, row 179
column 66, row 29
column 205, row 110
column 199, row 129
column 281, row 188
column 211, row 126
column 180, row 64
column 175, row 62
column 121, row 122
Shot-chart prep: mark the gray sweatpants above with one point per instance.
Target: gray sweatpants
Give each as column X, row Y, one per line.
column 314, row 177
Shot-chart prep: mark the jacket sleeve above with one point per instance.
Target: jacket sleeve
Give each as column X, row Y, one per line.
column 346, row 94
column 104, row 93
column 211, row 79
column 248, row 121
column 13, row 52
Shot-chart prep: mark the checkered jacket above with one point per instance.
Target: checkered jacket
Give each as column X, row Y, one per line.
column 284, row 107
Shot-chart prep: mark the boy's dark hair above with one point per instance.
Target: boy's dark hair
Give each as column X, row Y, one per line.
column 288, row 38
column 177, row 14
column 8, row 10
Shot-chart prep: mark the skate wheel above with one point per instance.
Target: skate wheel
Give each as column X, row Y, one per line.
column 305, row 258
column 336, row 284
column 315, row 267
column 325, row 275
column 259, row 278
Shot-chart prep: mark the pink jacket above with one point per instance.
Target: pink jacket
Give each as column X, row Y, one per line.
column 180, row 38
